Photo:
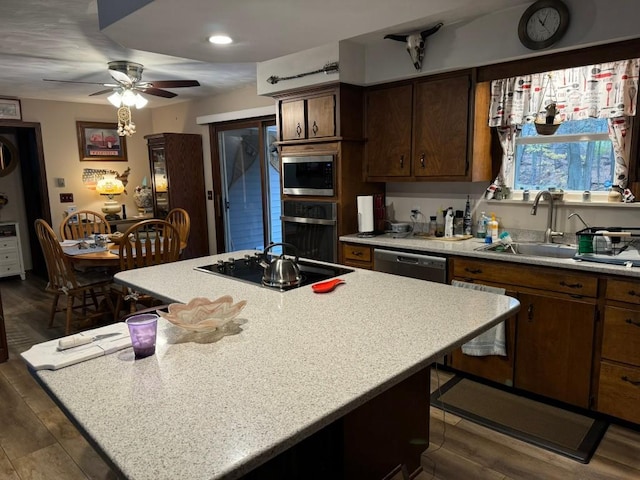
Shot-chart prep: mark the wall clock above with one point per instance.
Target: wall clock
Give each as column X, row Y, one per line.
column 543, row 24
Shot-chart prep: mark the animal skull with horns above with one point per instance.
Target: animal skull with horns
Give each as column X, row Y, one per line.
column 415, row 43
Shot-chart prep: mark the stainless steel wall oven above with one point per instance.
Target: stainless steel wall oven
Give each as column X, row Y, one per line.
column 312, row 228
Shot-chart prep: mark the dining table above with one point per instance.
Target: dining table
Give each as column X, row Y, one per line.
column 106, row 256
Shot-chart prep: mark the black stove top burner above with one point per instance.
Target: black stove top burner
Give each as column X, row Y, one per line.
column 248, row 269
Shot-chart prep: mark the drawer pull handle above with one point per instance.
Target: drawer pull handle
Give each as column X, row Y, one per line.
column 356, row 254
column 635, row 383
column 474, row 271
column 633, row 293
column 632, row 322
column 315, row 128
column 299, row 130
column 422, row 160
column 530, row 313
column 571, row 285
column 401, row 161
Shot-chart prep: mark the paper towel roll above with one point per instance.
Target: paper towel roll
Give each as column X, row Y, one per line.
column 365, row 214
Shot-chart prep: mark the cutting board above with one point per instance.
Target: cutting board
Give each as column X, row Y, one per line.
column 46, row 356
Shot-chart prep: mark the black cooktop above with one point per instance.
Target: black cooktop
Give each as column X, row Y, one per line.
column 248, row 269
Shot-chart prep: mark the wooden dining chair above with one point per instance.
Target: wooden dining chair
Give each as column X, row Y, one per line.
column 146, row 243
column 78, row 287
column 83, row 224
column 179, row 218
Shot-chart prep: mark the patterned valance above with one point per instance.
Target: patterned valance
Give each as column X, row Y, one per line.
column 606, row 90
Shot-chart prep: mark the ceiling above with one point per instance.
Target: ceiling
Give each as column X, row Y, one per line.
column 62, row 39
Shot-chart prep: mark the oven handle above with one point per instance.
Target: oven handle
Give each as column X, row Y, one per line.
column 313, row 221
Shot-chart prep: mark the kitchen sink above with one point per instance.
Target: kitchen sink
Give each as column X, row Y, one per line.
column 555, row 250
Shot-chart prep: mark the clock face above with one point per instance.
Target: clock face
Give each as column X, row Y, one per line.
column 543, row 24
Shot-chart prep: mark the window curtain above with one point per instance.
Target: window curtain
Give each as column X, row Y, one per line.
column 607, row 90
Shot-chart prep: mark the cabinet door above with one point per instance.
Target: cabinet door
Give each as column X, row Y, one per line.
column 292, row 120
column 321, row 116
column 160, row 181
column 441, row 112
column 554, row 347
column 388, row 131
column 496, row 368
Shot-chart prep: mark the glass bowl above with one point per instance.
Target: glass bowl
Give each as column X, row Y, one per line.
column 202, row 314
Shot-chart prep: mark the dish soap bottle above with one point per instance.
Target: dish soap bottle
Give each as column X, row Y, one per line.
column 466, row 221
column 492, row 228
column 440, row 223
column 481, row 231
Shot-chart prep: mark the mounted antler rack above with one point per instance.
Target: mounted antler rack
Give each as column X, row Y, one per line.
column 328, row 68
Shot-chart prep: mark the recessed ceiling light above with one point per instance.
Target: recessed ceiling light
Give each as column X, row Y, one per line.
column 220, row 39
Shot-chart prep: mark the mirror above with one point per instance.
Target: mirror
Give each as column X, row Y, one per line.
column 8, row 157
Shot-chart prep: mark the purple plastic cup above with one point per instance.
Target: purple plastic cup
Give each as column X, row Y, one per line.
column 142, row 329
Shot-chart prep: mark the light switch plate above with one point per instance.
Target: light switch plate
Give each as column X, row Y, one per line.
column 66, row 198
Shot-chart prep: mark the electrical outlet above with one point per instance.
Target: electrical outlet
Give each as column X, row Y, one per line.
column 66, row 198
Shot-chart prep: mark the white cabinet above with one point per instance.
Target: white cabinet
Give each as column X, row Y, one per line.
column 11, row 262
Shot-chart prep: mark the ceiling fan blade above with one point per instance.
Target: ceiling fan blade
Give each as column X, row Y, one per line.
column 174, row 83
column 157, row 92
column 72, row 81
column 120, row 77
column 101, row 92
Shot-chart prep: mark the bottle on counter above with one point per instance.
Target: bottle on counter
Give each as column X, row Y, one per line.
column 448, row 223
column 481, row 230
column 432, row 226
column 440, row 223
column 458, row 223
column 466, row 225
column 492, row 228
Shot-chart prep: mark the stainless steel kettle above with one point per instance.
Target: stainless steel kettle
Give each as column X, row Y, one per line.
column 280, row 272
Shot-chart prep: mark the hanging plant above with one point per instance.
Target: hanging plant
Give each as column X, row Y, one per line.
column 549, row 123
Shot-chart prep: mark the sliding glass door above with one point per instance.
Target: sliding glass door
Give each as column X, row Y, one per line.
column 246, row 179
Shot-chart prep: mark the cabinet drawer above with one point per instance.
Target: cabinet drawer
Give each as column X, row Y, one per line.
column 624, row 291
column 10, row 269
column 8, row 256
column 621, row 338
column 561, row 281
column 619, row 391
column 358, row 253
column 8, row 243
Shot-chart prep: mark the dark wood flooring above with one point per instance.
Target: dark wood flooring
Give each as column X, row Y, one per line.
column 37, row 442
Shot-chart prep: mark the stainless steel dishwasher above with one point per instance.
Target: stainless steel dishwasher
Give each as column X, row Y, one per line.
column 414, row 265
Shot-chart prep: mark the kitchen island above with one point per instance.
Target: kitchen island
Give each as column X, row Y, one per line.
column 301, row 367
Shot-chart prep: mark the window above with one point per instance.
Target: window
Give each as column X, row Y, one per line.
column 579, row 156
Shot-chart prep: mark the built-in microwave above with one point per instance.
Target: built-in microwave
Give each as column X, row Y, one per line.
column 309, row 175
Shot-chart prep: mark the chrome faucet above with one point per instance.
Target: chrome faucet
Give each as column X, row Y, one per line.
column 549, row 232
column 574, row 214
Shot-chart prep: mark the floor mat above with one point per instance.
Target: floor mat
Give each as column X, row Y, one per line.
column 561, row 431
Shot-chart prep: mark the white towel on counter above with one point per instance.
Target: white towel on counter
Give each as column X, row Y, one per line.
column 491, row 342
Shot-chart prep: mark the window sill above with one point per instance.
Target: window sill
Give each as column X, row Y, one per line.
column 591, row 204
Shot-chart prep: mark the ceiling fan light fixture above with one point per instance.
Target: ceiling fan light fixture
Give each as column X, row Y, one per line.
column 115, row 99
column 140, row 101
column 220, row 39
column 129, row 98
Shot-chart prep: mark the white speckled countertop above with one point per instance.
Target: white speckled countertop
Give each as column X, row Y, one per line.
column 302, row 360
column 467, row 248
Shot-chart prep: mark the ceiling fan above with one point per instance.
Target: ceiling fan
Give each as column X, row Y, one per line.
column 128, row 76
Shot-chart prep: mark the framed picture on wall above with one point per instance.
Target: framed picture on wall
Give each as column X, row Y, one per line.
column 100, row 142
column 10, row 109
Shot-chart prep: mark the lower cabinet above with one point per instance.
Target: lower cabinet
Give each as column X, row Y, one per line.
column 550, row 342
column 554, row 347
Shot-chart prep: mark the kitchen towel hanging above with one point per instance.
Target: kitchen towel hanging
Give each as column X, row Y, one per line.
column 365, row 214
column 491, row 342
